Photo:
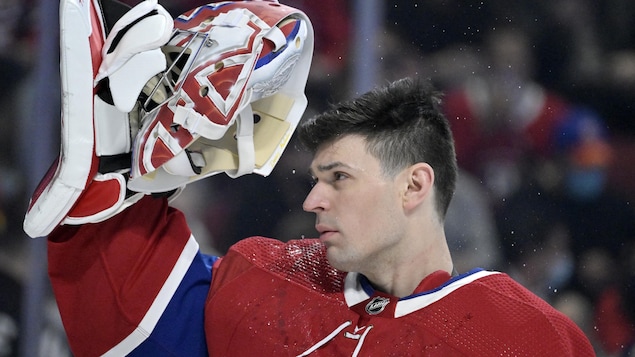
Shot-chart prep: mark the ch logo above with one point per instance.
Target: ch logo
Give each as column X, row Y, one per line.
column 377, row 305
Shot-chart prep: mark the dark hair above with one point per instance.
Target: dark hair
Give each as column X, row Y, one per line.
column 402, row 123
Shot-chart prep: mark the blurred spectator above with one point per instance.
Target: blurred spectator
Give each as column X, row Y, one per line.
column 614, row 314
column 596, row 215
column 586, row 51
column 501, row 118
column 440, row 38
column 535, row 241
column 566, row 232
column 470, row 227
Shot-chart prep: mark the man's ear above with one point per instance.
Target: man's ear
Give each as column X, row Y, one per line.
column 419, row 181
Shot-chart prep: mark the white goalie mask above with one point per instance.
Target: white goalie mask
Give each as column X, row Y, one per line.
column 230, row 99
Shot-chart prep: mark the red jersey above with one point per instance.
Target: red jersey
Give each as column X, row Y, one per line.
column 137, row 285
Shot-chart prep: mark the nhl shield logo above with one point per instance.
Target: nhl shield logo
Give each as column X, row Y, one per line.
column 377, row 305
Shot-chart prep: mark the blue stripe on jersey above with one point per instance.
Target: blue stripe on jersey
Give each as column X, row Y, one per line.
column 452, row 280
column 370, row 291
column 209, row 260
column 180, row 330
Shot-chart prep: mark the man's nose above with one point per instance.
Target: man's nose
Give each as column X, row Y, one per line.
column 315, row 200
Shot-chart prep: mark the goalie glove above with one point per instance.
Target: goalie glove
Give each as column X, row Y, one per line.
column 101, row 76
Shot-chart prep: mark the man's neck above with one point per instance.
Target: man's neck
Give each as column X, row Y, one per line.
column 405, row 276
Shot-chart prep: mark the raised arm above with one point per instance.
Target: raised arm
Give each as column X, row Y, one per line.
column 149, row 106
column 134, row 284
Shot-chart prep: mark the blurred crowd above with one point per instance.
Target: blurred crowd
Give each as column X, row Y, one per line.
column 540, row 98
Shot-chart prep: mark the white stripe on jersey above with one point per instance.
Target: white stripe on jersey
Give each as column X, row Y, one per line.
column 354, row 292
column 149, row 321
column 417, row 302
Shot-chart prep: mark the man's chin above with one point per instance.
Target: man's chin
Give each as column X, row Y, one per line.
column 338, row 261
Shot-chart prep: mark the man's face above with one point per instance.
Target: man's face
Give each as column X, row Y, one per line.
column 358, row 210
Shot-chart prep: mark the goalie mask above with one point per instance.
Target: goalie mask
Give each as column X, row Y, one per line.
column 230, row 99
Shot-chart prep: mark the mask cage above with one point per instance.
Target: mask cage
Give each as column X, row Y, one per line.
column 162, row 88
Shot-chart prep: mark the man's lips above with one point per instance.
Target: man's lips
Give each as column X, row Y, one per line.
column 325, row 231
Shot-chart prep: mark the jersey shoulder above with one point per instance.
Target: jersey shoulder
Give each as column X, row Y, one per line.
column 508, row 303
column 302, row 262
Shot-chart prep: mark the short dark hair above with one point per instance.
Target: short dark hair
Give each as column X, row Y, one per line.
column 402, row 123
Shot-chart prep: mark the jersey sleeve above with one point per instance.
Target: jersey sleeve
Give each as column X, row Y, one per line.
column 133, row 285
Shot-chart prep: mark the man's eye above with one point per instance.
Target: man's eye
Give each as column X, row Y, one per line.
column 339, row 176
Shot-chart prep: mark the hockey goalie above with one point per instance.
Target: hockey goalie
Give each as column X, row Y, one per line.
column 152, row 104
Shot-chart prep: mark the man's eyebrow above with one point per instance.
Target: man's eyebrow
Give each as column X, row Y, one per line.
column 327, row 167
